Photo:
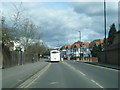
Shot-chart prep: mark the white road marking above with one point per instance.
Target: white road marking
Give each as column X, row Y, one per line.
column 19, row 80
column 83, row 74
column 52, row 83
column 74, row 69
column 31, row 80
column 97, row 83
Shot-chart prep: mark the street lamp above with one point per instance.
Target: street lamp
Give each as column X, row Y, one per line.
column 80, row 44
column 58, row 42
column 80, row 41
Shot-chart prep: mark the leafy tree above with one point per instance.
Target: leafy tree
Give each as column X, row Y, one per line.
column 111, row 34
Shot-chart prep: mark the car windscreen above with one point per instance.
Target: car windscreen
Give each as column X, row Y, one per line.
column 54, row 52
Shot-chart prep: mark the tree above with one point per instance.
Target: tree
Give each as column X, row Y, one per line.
column 24, row 28
column 111, row 34
column 19, row 28
column 30, row 32
column 96, row 50
column 7, row 33
column 38, row 48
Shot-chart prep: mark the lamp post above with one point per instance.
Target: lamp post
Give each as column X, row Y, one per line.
column 80, row 44
column 80, row 41
column 58, row 42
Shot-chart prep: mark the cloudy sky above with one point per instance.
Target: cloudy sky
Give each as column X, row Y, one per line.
column 61, row 21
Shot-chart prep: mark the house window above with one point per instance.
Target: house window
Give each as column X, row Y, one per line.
column 76, row 49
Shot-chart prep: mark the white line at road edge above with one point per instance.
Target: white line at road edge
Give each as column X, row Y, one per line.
column 32, row 79
column 82, row 74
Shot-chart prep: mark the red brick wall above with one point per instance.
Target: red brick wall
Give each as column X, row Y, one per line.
column 90, row 58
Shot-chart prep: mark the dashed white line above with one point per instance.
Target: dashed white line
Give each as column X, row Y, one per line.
column 74, row 69
column 97, row 83
column 83, row 74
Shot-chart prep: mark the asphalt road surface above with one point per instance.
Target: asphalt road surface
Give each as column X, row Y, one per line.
column 12, row 77
column 70, row 74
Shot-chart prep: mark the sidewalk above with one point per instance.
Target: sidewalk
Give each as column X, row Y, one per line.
column 105, row 65
column 12, row 77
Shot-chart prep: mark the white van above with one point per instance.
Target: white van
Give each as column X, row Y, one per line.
column 54, row 55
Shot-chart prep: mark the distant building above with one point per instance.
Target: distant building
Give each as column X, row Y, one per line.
column 68, row 51
column 63, row 51
column 97, row 42
column 76, row 50
column 86, row 50
column 13, row 45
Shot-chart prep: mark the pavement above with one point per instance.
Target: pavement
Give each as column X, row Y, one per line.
column 12, row 77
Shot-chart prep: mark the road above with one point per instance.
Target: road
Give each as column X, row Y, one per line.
column 70, row 74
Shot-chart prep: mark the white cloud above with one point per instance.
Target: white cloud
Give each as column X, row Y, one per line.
column 63, row 24
column 58, row 1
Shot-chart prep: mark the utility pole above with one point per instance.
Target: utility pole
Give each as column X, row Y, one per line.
column 80, row 44
column 105, row 30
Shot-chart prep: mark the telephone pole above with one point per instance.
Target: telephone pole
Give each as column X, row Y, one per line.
column 105, row 30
